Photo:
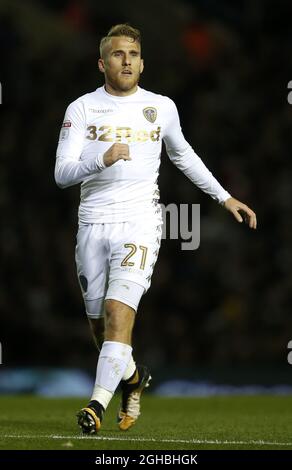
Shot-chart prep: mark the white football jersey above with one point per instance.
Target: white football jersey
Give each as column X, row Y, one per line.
column 127, row 189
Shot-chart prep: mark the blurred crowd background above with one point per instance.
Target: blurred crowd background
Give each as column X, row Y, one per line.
column 227, row 66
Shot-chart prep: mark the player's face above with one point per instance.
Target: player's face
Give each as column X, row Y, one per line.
column 122, row 65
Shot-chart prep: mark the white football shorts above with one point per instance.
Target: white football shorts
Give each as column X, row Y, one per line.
column 116, row 261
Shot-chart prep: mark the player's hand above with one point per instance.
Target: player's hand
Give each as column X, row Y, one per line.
column 116, row 152
column 241, row 212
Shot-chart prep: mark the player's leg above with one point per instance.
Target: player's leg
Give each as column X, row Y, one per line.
column 130, row 274
column 114, row 357
column 119, row 322
column 97, row 331
column 115, row 360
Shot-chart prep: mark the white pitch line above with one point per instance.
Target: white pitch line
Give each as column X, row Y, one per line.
column 142, row 439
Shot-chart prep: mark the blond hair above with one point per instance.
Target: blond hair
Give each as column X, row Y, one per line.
column 120, row 30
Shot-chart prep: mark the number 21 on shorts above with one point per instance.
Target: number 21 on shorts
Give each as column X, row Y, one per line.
column 133, row 249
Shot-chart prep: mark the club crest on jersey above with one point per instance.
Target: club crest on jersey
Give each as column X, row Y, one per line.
column 150, row 114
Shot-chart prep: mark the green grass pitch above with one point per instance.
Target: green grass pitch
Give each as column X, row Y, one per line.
column 249, row 422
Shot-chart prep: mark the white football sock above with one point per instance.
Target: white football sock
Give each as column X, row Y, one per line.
column 130, row 369
column 111, row 366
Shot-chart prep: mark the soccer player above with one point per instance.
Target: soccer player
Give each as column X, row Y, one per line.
column 110, row 142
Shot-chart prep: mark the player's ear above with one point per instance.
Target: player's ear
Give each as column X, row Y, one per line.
column 101, row 65
column 141, row 66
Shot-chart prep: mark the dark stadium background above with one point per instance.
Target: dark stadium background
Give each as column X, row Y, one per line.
column 222, row 312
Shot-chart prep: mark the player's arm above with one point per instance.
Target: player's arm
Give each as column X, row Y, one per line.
column 183, row 156
column 70, row 169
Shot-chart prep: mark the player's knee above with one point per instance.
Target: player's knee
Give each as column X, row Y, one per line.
column 111, row 306
column 118, row 317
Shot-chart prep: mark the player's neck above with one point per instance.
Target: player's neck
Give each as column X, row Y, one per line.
column 112, row 91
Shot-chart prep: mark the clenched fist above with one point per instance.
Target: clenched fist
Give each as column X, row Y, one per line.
column 116, row 152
